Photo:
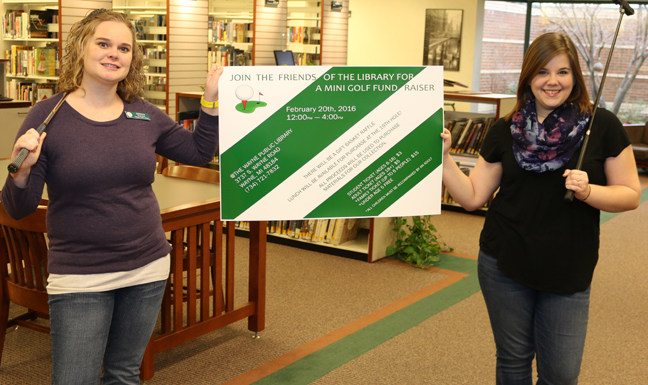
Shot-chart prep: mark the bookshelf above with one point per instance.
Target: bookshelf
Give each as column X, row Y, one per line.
column 303, row 31
column 370, row 244
column 30, row 41
column 475, row 106
column 150, row 20
column 231, row 32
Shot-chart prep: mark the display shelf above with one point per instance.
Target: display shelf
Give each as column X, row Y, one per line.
column 369, row 245
column 33, row 53
column 303, row 35
column 231, row 32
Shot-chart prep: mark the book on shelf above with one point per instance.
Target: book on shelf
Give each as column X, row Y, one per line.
column 229, row 56
column 45, row 61
column 38, row 22
column 15, row 24
column 44, row 91
column 227, row 32
column 467, row 135
column 326, row 231
column 349, row 231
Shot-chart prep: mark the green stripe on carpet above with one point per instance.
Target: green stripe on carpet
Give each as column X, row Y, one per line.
column 327, row 359
column 605, row 216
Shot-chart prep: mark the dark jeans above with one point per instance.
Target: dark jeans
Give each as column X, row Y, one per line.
column 113, row 326
column 527, row 323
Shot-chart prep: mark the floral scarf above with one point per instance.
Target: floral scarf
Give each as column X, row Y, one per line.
column 549, row 145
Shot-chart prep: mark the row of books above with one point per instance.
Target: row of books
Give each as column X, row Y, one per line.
column 229, row 56
column 188, row 119
column 156, row 84
column 27, row 60
column 229, row 32
column 332, row 231
column 20, row 24
column 26, row 91
column 468, row 134
column 154, row 53
column 152, row 21
column 306, row 59
column 303, row 35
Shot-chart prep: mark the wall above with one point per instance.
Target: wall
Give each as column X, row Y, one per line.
column 386, row 32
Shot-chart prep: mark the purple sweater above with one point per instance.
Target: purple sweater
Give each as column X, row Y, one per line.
column 102, row 214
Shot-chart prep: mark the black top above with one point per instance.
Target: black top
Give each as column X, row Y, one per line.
column 539, row 240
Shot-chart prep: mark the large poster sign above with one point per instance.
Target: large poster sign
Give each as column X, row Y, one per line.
column 330, row 142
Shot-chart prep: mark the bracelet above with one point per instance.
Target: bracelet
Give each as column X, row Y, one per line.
column 589, row 193
column 207, row 104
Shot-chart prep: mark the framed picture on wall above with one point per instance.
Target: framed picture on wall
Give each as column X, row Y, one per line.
column 442, row 43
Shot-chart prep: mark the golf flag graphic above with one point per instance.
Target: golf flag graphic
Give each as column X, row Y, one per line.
column 330, row 142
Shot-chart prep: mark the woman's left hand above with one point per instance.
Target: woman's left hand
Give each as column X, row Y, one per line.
column 211, row 83
column 578, row 181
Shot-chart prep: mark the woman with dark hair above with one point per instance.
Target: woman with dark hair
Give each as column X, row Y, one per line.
column 537, row 252
column 108, row 258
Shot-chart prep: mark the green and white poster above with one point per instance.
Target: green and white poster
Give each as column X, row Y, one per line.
column 330, row 142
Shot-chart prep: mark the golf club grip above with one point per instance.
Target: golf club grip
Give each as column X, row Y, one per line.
column 569, row 196
column 14, row 166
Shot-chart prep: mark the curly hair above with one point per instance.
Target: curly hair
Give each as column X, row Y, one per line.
column 544, row 48
column 72, row 62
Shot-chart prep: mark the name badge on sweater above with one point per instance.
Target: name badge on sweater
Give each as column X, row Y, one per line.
column 137, row 115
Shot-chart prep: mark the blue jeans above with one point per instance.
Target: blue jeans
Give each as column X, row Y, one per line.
column 527, row 323
column 113, row 326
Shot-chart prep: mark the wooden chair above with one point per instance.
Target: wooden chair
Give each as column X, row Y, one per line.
column 194, row 173
column 162, row 163
column 23, row 270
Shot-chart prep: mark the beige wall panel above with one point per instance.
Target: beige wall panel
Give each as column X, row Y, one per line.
column 260, row 28
column 198, row 76
column 188, row 53
column 79, row 12
column 187, row 46
column 198, row 18
column 86, row 4
column 69, row 20
column 338, row 55
column 187, row 82
column 187, row 10
column 260, row 42
column 189, row 39
column 195, row 32
column 186, row 67
column 186, row 24
column 189, row 3
column 188, row 60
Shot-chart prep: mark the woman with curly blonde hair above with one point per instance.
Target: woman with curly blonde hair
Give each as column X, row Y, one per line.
column 108, row 254
column 72, row 63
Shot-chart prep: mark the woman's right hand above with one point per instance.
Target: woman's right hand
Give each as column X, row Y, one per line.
column 447, row 141
column 33, row 143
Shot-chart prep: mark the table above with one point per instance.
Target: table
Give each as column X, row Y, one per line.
column 190, row 210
